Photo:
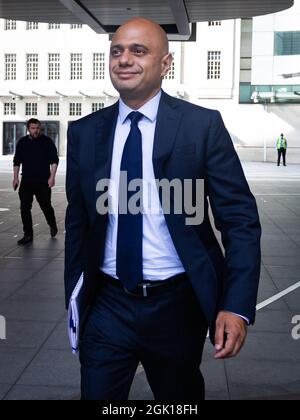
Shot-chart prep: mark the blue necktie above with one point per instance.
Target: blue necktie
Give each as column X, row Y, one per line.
column 130, row 226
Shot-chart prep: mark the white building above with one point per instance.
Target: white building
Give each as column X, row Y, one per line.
column 59, row 73
column 270, row 79
column 56, row 73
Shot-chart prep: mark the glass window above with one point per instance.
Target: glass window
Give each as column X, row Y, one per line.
column 32, row 63
column 54, row 66
column 30, row 108
column 9, row 108
column 76, row 66
column 245, row 92
column 32, row 25
column 53, row 26
column 10, row 25
column 263, row 88
column 214, row 65
column 53, row 108
column 10, row 66
column 51, row 129
column 281, row 93
column 98, row 66
column 287, row 43
column 12, row 132
column 75, row 109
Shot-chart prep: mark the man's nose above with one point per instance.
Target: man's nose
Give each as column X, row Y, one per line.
column 126, row 59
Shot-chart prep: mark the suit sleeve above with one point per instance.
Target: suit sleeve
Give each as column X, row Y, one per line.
column 236, row 217
column 76, row 222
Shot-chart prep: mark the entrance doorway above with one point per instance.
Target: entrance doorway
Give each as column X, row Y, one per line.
column 13, row 131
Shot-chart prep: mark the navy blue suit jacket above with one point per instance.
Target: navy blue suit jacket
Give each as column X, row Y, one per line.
column 190, row 142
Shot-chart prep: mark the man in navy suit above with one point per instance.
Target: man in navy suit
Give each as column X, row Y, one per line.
column 154, row 282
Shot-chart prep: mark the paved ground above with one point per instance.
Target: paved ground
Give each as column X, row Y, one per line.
column 35, row 360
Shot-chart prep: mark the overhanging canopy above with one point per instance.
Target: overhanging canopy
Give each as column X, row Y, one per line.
column 104, row 16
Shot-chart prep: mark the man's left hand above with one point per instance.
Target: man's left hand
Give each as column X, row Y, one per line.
column 51, row 182
column 231, row 332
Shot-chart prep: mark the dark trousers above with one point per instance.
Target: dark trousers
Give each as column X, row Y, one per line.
column 166, row 333
column 42, row 192
column 282, row 152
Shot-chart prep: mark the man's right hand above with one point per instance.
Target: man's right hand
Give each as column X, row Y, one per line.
column 15, row 183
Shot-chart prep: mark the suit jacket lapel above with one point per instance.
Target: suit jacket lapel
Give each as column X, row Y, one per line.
column 168, row 122
column 104, row 140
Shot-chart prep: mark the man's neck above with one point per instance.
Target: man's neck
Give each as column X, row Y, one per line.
column 135, row 103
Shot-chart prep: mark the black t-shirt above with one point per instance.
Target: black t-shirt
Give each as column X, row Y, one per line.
column 36, row 156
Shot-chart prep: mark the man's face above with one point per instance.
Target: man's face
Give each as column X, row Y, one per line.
column 138, row 61
column 34, row 130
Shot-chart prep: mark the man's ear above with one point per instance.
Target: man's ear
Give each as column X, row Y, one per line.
column 166, row 64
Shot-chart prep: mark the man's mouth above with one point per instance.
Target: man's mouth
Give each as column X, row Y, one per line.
column 126, row 75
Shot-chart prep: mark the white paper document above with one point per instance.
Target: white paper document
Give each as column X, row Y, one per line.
column 74, row 316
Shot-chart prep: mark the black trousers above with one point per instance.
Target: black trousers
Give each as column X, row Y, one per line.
column 166, row 333
column 282, row 152
column 42, row 192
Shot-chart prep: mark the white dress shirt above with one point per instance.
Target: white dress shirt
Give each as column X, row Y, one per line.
column 160, row 258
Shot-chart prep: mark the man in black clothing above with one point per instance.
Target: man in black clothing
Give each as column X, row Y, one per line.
column 37, row 153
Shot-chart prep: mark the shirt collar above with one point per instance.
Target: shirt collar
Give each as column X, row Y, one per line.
column 149, row 110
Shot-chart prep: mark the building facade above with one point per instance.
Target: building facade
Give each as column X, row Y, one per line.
column 270, row 82
column 247, row 69
column 56, row 73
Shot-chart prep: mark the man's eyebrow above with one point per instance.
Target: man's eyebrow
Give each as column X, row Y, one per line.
column 139, row 46
column 132, row 46
column 117, row 46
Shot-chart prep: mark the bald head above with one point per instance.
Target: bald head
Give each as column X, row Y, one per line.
column 139, row 59
column 152, row 29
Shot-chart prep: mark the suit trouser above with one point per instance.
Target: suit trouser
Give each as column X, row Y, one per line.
column 42, row 192
column 165, row 333
column 282, row 152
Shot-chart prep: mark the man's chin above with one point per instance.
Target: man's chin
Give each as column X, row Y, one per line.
column 125, row 85
column 127, row 90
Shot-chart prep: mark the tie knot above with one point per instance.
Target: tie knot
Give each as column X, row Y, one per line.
column 135, row 117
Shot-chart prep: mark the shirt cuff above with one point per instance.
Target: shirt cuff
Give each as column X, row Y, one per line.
column 243, row 317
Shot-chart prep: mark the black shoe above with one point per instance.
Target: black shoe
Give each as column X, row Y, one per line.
column 27, row 239
column 53, row 231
